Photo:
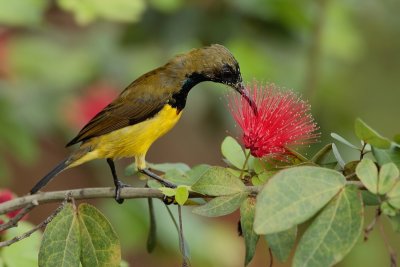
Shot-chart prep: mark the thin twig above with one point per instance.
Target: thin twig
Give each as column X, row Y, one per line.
column 152, row 236
column 37, row 227
column 371, row 226
column 271, row 257
column 179, row 229
column 13, row 222
column 244, row 165
column 392, row 253
column 351, row 175
column 29, row 201
column 173, row 218
column 90, row 193
column 185, row 260
column 362, row 152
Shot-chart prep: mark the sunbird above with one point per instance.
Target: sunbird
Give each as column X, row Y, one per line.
column 147, row 109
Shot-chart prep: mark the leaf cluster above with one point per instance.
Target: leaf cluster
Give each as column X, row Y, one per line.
column 329, row 195
column 324, row 194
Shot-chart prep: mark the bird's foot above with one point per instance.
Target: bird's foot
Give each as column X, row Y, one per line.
column 168, row 200
column 159, row 179
column 167, row 183
column 118, row 186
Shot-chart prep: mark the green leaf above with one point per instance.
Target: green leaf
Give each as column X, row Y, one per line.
column 294, row 195
column 388, row 175
column 255, row 180
column 258, row 165
column 177, row 177
column 383, row 156
column 282, row 243
column 189, row 177
column 22, row 13
column 164, row 167
column 24, row 252
column 370, row 136
column 86, row 11
column 151, row 183
column 387, row 209
column 367, row 172
column 197, row 171
column 393, row 196
column 131, row 170
column 321, row 155
column 233, row 152
column 218, row 181
column 182, row 194
column 220, row 206
column 99, row 243
column 298, row 158
column 338, row 157
column 350, row 167
column 262, row 178
column 60, row 244
column 169, row 192
column 343, row 140
column 247, row 211
column 333, row 233
column 370, row 199
column 234, row 172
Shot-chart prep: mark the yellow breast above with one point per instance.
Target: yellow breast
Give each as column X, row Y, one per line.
column 132, row 141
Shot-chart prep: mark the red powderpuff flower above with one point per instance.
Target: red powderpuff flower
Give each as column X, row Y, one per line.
column 283, row 120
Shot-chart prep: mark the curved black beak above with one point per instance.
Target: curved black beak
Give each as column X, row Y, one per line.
column 239, row 87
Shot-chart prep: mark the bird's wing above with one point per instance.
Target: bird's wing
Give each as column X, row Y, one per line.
column 131, row 107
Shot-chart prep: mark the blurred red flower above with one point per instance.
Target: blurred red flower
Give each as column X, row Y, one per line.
column 4, row 46
column 6, row 195
column 283, row 120
column 96, row 97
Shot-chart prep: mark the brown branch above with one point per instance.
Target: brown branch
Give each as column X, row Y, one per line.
column 392, row 253
column 13, row 222
column 37, row 227
column 83, row 193
column 371, row 226
column 271, row 257
column 90, row 193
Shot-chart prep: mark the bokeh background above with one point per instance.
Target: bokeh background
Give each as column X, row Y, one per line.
column 61, row 61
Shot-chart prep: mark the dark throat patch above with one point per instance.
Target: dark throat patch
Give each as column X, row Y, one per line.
column 178, row 100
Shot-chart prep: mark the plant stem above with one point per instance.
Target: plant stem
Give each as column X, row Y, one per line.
column 37, row 227
column 91, row 193
column 392, row 253
column 244, row 164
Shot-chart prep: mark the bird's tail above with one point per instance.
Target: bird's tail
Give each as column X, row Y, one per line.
column 53, row 173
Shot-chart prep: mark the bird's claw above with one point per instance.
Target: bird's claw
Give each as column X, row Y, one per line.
column 118, row 186
column 168, row 200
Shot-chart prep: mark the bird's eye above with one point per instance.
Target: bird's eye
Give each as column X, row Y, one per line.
column 226, row 74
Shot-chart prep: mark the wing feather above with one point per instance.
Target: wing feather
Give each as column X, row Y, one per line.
column 134, row 105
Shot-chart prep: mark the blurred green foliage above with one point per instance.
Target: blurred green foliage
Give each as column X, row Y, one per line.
column 341, row 55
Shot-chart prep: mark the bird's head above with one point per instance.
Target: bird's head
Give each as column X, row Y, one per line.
column 212, row 63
